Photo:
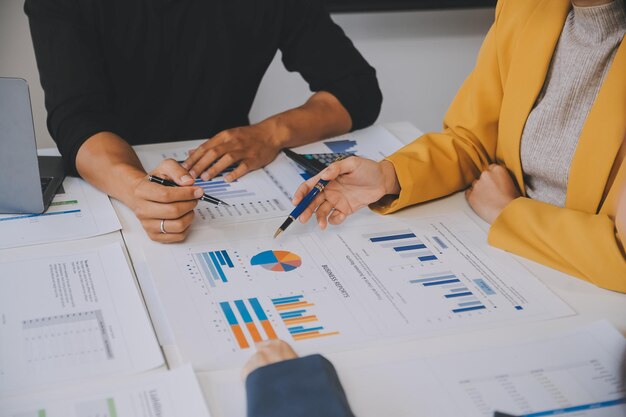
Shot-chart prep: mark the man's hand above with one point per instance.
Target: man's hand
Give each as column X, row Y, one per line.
column 490, row 194
column 356, row 182
column 166, row 209
column 268, row 352
column 250, row 147
column 253, row 147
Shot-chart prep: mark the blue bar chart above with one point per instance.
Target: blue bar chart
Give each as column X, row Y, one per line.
column 342, row 146
column 302, row 324
column 403, row 243
column 221, row 189
column 213, row 266
column 452, row 289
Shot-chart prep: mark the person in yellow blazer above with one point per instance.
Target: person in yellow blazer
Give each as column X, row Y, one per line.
column 480, row 148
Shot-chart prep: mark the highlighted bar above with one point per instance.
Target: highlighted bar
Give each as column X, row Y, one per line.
column 313, row 336
column 450, row 281
column 220, row 258
column 227, row 258
column 265, row 323
column 286, row 299
column 254, row 332
column 458, row 294
column 293, row 305
column 234, row 325
column 218, row 266
column 463, row 310
column 394, row 237
column 427, row 258
column 410, row 247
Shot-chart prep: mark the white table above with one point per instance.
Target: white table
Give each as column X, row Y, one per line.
column 591, row 303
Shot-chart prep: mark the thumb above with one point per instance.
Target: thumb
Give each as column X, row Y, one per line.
column 175, row 172
column 339, row 168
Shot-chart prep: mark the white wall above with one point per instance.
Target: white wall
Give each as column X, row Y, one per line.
column 421, row 59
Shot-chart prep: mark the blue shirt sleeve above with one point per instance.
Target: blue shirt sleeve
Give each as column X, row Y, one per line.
column 303, row 387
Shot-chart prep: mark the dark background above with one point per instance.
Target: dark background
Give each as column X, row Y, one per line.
column 380, row 5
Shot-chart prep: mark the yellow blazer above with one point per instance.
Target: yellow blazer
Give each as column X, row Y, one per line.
column 484, row 126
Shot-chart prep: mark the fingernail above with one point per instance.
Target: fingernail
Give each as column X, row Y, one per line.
column 193, row 174
column 198, row 193
column 205, row 177
column 228, row 178
column 184, row 165
column 186, row 178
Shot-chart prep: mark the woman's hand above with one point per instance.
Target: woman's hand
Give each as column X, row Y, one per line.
column 174, row 206
column 356, row 182
column 620, row 218
column 490, row 194
column 268, row 352
column 250, row 147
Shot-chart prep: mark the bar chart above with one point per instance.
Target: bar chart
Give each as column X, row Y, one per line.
column 301, row 322
column 404, row 243
column 451, row 289
column 213, row 265
column 342, row 146
column 248, row 328
column 75, row 337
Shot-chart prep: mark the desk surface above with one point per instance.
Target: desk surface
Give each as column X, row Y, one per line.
column 589, row 302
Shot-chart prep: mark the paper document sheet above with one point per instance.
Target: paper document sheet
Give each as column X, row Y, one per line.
column 266, row 193
column 77, row 211
column 340, row 288
column 165, row 394
column 70, row 316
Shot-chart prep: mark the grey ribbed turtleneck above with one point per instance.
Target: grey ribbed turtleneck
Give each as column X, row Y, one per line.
column 583, row 56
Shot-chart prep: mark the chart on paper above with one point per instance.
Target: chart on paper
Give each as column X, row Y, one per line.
column 571, row 374
column 165, row 394
column 77, row 211
column 327, row 291
column 252, row 197
column 70, row 316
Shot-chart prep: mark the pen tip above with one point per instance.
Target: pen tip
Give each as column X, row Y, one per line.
column 278, row 232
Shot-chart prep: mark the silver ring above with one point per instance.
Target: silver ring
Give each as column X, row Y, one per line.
column 163, row 227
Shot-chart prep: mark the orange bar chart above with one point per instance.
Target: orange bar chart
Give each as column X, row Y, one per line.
column 301, row 323
column 252, row 332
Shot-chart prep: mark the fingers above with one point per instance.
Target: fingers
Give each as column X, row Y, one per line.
column 223, row 163
column 322, row 213
column 305, row 188
column 172, row 170
column 241, row 170
column 339, row 168
column 158, row 193
column 175, row 230
column 201, row 158
column 310, row 210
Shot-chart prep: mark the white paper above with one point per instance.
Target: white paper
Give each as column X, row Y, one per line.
column 266, row 193
column 78, row 211
column 70, row 316
column 167, row 394
column 338, row 289
column 572, row 374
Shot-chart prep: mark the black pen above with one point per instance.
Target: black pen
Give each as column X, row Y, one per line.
column 205, row 197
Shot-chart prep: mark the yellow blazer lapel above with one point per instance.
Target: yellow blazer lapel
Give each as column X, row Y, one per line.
column 600, row 140
column 528, row 70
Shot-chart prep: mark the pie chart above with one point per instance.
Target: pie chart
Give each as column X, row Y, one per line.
column 277, row 260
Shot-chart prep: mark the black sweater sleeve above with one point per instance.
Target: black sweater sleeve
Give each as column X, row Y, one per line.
column 316, row 47
column 303, row 387
column 72, row 72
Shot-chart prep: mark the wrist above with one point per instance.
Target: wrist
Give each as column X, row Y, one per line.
column 130, row 177
column 390, row 179
column 277, row 132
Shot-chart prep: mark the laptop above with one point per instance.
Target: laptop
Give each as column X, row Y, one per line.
column 28, row 183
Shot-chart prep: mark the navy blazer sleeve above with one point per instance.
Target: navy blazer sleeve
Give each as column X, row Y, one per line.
column 303, row 387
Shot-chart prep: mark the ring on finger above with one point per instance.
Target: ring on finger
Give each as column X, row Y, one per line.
column 163, row 231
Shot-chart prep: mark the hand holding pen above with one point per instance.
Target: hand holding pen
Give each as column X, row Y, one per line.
column 348, row 185
column 167, row 183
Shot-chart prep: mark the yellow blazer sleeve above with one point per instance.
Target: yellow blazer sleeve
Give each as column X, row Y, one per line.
column 439, row 164
column 580, row 244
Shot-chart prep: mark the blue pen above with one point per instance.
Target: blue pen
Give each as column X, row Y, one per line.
column 306, row 202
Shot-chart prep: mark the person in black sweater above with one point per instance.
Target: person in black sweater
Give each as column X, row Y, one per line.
column 126, row 72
